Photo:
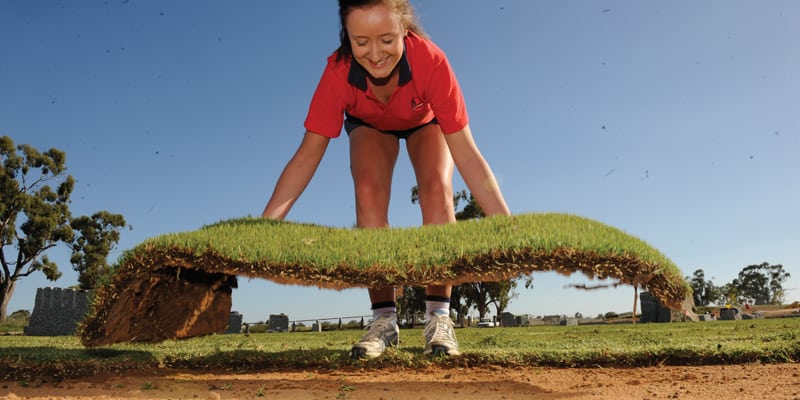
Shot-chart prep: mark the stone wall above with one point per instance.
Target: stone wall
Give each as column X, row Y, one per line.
column 57, row 311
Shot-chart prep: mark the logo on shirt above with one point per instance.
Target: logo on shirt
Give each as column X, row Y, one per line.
column 417, row 104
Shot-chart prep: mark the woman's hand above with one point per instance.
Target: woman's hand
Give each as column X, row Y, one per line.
column 296, row 175
column 476, row 172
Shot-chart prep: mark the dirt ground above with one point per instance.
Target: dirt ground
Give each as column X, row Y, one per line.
column 751, row 381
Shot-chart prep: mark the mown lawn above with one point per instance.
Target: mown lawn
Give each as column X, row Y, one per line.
column 719, row 342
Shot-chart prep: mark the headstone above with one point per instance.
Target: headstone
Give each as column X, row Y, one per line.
column 316, row 327
column 278, row 323
column 234, row 323
column 551, row 319
column 707, row 317
column 652, row 310
column 569, row 322
column 508, row 319
column 729, row 314
column 57, row 311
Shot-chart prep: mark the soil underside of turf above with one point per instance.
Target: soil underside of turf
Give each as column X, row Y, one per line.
column 170, row 295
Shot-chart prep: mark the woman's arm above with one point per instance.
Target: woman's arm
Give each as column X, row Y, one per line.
column 296, row 175
column 476, row 172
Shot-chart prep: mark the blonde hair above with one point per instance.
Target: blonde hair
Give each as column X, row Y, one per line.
column 403, row 9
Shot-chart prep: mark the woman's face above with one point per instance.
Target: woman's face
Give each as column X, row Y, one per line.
column 376, row 37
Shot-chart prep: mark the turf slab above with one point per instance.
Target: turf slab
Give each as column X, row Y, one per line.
column 179, row 285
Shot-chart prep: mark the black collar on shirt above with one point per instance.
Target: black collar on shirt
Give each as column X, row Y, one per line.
column 358, row 76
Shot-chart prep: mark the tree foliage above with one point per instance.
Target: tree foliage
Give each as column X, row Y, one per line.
column 704, row 292
column 756, row 284
column 501, row 293
column 761, row 284
column 411, row 303
column 460, row 301
column 479, row 295
column 96, row 236
column 471, row 210
column 35, row 217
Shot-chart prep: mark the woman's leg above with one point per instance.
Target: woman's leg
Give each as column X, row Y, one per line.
column 373, row 156
column 433, row 167
column 372, row 159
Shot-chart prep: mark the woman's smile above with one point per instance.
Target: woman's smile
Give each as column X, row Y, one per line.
column 376, row 37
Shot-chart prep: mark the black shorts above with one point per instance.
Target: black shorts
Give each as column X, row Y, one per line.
column 351, row 123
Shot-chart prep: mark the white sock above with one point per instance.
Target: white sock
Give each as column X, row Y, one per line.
column 438, row 307
column 383, row 309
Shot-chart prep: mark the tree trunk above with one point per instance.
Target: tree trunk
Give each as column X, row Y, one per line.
column 6, row 290
column 500, row 311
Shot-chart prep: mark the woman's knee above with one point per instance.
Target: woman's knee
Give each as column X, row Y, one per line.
column 436, row 190
column 372, row 161
column 371, row 189
column 436, row 202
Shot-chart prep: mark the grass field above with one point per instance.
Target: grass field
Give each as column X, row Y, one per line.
column 720, row 342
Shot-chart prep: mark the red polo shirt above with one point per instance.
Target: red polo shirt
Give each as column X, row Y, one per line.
column 427, row 88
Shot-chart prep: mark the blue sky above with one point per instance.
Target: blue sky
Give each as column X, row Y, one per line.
column 675, row 121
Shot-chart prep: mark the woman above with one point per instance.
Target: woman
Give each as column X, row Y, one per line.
column 386, row 82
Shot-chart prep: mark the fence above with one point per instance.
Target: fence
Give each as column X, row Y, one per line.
column 281, row 323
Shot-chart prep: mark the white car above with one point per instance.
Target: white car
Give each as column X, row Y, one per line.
column 485, row 323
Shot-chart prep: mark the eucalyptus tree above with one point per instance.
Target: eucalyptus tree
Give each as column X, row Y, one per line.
column 35, row 217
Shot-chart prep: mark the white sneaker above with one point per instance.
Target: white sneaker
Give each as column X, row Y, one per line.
column 381, row 333
column 440, row 338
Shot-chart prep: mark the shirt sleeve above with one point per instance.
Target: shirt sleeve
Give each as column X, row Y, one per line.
column 326, row 111
column 446, row 98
